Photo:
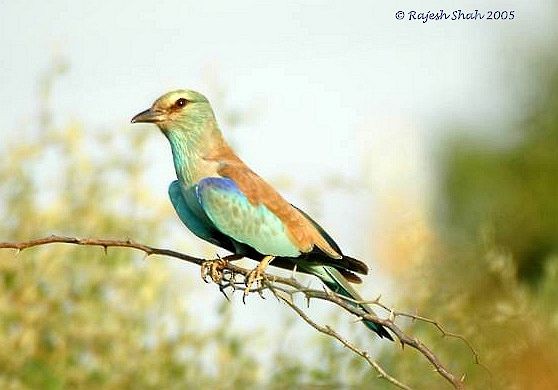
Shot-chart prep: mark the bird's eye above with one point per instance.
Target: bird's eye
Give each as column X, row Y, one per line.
column 180, row 102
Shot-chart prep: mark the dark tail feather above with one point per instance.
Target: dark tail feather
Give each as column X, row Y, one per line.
column 333, row 279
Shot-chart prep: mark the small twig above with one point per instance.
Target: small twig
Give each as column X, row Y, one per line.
column 404, row 338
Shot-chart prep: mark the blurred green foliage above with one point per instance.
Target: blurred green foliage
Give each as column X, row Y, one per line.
column 512, row 190
column 492, row 275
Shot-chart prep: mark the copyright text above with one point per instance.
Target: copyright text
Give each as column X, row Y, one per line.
column 455, row 15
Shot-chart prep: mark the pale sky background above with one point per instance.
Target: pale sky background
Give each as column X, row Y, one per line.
column 334, row 87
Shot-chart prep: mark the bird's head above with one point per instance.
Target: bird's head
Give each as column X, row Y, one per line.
column 177, row 110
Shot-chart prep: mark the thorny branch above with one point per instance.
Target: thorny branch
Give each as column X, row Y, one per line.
column 327, row 330
column 284, row 289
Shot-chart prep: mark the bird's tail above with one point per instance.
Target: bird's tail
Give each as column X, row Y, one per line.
column 333, row 279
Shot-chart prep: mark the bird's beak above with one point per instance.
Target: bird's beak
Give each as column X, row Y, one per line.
column 149, row 116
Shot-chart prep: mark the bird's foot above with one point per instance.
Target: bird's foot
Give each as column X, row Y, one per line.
column 213, row 269
column 256, row 275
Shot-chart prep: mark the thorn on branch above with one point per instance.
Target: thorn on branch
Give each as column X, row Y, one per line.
column 391, row 317
column 222, row 288
column 357, row 319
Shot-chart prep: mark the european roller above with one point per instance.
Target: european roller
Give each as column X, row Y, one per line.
column 222, row 201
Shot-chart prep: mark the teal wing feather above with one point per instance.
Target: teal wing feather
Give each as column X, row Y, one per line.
column 190, row 213
column 189, row 210
column 233, row 214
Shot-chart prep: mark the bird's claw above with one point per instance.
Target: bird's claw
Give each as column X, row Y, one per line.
column 213, row 269
column 256, row 276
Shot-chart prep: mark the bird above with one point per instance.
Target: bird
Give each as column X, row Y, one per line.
column 222, row 201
